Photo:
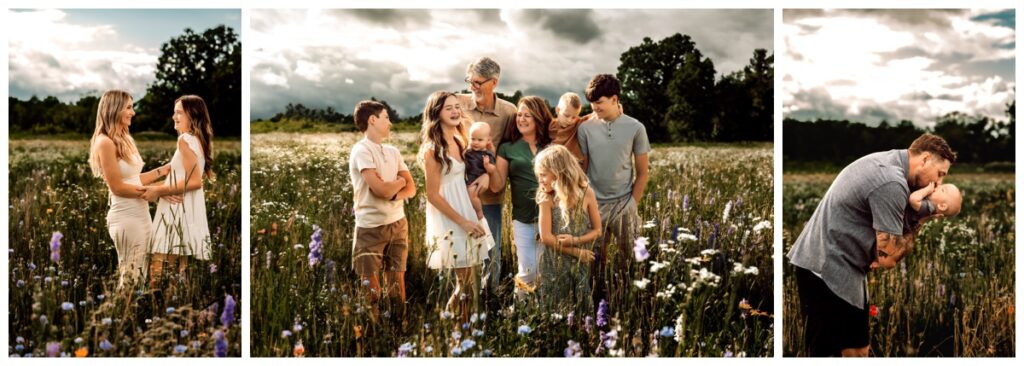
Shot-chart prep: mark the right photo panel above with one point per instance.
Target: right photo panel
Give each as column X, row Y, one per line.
column 898, row 184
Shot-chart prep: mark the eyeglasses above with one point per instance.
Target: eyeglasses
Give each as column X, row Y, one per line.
column 475, row 83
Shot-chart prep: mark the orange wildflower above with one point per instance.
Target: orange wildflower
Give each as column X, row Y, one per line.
column 81, row 352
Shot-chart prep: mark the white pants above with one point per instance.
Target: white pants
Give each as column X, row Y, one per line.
column 527, row 253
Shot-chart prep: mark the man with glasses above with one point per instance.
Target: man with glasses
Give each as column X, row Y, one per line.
column 482, row 105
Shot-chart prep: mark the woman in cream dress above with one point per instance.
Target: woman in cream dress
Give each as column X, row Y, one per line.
column 455, row 238
column 180, row 230
column 114, row 157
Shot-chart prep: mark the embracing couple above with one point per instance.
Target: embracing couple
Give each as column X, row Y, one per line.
column 473, row 147
column 179, row 229
column 868, row 219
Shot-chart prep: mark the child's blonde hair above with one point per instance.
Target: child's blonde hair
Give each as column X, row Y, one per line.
column 570, row 185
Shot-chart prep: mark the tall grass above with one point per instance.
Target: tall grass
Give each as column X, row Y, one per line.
column 705, row 290
column 952, row 296
column 71, row 306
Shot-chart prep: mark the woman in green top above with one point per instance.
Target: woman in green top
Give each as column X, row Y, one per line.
column 515, row 165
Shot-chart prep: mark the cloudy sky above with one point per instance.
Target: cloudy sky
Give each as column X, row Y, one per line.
column 338, row 57
column 918, row 65
column 72, row 53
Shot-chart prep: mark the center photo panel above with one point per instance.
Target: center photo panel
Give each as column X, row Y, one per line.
column 511, row 183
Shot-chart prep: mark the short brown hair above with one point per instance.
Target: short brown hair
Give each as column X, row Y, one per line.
column 602, row 85
column 364, row 110
column 933, row 144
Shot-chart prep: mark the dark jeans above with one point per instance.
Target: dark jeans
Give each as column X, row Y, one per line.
column 830, row 323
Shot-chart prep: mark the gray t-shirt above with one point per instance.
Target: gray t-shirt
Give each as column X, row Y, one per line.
column 610, row 147
column 838, row 242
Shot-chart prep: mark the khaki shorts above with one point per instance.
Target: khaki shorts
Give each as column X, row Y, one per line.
column 385, row 246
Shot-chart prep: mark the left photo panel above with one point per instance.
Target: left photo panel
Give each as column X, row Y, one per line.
column 124, row 183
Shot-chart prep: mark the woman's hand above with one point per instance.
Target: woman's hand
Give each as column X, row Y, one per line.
column 584, row 255
column 472, row 228
column 152, row 193
column 173, row 199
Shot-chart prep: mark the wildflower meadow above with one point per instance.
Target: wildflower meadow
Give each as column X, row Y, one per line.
column 699, row 276
column 953, row 295
column 62, row 266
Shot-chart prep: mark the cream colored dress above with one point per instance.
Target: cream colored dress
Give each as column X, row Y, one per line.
column 181, row 229
column 128, row 223
column 448, row 245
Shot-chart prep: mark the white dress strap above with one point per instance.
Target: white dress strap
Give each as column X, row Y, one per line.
column 193, row 143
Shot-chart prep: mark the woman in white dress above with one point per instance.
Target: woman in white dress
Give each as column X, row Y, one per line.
column 180, row 230
column 455, row 238
column 114, row 157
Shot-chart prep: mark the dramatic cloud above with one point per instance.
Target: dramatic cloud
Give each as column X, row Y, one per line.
column 69, row 54
column 336, row 58
column 874, row 65
column 64, row 60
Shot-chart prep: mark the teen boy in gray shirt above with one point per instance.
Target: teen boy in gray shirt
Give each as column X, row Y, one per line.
column 616, row 148
column 858, row 226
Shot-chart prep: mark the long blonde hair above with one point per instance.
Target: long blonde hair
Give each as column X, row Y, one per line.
column 107, row 124
column 570, row 185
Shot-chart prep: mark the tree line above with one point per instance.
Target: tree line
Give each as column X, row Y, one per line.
column 668, row 85
column 975, row 139
column 206, row 64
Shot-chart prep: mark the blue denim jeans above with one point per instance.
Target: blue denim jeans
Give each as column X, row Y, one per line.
column 493, row 267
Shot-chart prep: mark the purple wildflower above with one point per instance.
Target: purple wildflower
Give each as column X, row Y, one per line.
column 55, row 246
column 228, row 316
column 52, row 349
column 588, row 323
column 314, row 246
column 640, row 249
column 405, row 349
column 602, row 313
column 573, row 350
column 686, row 202
column 67, row 306
column 220, row 346
column 106, row 345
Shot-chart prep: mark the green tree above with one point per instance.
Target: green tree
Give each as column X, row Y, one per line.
column 692, row 94
column 206, row 64
column 669, row 86
column 759, row 79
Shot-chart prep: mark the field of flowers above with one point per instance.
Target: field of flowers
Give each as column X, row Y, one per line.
column 952, row 296
column 63, row 267
column 700, row 277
